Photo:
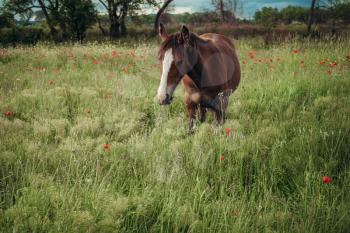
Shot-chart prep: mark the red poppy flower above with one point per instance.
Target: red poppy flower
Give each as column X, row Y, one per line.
column 115, row 53
column 333, row 64
column 302, row 61
column 105, row 146
column 302, row 65
column 322, row 62
column 295, row 51
column 244, row 62
column 108, row 97
column 222, row 158
column 228, row 131
column 56, row 70
column 8, row 114
column 95, row 62
column 326, row 179
column 251, row 54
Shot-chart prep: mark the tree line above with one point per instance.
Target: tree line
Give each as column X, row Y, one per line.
column 326, row 11
column 71, row 18
column 66, row 20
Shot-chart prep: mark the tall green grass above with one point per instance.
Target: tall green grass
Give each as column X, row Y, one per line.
column 289, row 127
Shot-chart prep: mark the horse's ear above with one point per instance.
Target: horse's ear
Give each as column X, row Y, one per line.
column 185, row 34
column 162, row 32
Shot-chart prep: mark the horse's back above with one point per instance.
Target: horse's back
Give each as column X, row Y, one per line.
column 218, row 39
column 224, row 46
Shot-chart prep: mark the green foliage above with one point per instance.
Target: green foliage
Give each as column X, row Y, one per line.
column 21, row 34
column 6, row 19
column 79, row 15
column 267, row 16
column 341, row 11
column 294, row 13
column 337, row 10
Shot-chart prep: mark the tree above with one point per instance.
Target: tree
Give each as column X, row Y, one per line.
column 118, row 10
column 335, row 9
column 293, row 13
column 79, row 15
column 311, row 16
column 49, row 9
column 63, row 17
column 19, row 7
column 6, row 20
column 227, row 9
column 267, row 16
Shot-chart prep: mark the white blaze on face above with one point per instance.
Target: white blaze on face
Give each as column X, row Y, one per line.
column 168, row 60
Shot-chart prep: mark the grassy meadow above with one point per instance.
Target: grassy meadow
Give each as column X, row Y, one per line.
column 85, row 147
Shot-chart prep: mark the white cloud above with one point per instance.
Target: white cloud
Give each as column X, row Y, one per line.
column 182, row 9
column 176, row 10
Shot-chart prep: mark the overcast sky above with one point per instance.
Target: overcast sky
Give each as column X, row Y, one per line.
column 249, row 6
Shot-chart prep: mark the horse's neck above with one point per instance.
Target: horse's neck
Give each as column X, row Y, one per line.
column 196, row 73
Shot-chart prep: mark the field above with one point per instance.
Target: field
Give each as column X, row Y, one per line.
column 85, row 147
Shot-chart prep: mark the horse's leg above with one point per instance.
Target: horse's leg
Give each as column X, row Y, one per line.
column 219, row 116
column 220, row 109
column 202, row 111
column 191, row 108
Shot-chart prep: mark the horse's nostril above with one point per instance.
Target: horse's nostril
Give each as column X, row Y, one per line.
column 167, row 96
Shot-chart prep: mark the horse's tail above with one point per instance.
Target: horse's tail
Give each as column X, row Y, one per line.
column 160, row 13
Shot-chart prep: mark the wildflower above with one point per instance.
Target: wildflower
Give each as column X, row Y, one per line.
column 302, row 65
column 8, row 114
column 105, row 146
column 333, row 64
column 108, row 97
column 251, row 54
column 222, row 158
column 329, row 72
column 322, row 62
column 326, row 179
column 95, row 62
column 228, row 131
column 295, row 51
column 302, row 61
column 244, row 62
column 115, row 54
column 56, row 70
column 126, row 70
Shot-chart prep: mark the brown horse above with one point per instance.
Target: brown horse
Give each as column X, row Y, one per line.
column 207, row 65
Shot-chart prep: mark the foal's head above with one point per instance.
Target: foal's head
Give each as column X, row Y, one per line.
column 178, row 54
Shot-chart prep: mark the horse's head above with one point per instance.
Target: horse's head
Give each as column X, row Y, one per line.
column 178, row 54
